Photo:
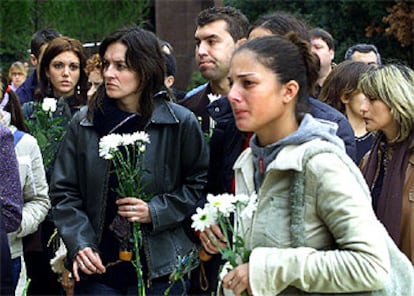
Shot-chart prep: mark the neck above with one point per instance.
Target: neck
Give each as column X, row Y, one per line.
column 392, row 132
column 277, row 130
column 323, row 73
column 130, row 107
column 357, row 123
column 220, row 87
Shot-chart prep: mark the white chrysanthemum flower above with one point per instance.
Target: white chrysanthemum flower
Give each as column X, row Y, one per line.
column 49, row 104
column 128, row 139
column 242, row 198
column 108, row 145
column 213, row 97
column 203, row 218
column 142, row 137
column 224, row 203
column 250, row 208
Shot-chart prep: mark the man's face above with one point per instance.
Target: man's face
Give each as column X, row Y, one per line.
column 324, row 53
column 214, row 48
column 365, row 57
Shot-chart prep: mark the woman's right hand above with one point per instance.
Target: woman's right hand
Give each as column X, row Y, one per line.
column 89, row 262
column 212, row 239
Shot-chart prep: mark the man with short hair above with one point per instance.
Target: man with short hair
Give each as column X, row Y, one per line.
column 219, row 31
column 322, row 44
column 362, row 52
column 38, row 43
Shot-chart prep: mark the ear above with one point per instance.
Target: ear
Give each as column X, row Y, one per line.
column 169, row 81
column 240, row 41
column 33, row 60
column 344, row 99
column 332, row 52
column 291, row 89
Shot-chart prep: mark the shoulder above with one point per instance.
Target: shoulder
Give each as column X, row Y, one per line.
column 322, row 110
column 6, row 135
column 167, row 112
column 195, row 90
column 321, row 152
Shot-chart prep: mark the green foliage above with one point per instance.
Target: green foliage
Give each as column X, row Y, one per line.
column 48, row 131
column 87, row 21
column 196, row 80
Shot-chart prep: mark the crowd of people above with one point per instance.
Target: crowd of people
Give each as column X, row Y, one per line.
column 327, row 149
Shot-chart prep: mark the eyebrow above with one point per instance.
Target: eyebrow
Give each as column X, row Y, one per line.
column 207, row 37
column 241, row 75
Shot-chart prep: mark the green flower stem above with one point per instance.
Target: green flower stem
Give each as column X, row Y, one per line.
column 138, row 266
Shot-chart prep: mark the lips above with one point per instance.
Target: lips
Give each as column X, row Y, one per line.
column 110, row 85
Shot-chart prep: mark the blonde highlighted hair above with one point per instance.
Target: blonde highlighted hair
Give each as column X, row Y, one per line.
column 394, row 85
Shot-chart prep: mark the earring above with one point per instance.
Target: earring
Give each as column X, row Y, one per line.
column 78, row 89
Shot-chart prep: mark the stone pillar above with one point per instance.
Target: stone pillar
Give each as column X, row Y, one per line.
column 175, row 23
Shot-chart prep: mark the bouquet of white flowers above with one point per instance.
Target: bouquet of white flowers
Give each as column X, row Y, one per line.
column 47, row 129
column 218, row 210
column 127, row 155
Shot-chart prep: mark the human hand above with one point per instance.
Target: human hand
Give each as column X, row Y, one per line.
column 212, row 239
column 68, row 283
column 238, row 280
column 89, row 262
column 134, row 209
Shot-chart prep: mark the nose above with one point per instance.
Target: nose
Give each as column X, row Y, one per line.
column 202, row 48
column 108, row 71
column 364, row 106
column 66, row 70
column 234, row 96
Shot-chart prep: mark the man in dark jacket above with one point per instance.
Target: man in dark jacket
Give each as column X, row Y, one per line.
column 38, row 44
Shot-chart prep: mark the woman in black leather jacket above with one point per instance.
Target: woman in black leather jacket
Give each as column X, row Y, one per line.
column 132, row 98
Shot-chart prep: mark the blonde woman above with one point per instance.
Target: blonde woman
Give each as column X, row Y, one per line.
column 389, row 168
column 17, row 74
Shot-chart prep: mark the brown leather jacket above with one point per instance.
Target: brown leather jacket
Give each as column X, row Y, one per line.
column 407, row 214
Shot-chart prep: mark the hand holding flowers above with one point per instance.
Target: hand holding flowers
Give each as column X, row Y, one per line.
column 218, row 210
column 127, row 155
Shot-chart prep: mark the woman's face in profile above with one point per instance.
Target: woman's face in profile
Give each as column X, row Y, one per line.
column 64, row 73
column 121, row 82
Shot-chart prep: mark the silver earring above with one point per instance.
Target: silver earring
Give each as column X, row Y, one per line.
column 78, row 88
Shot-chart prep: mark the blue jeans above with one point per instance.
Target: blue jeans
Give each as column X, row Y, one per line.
column 88, row 287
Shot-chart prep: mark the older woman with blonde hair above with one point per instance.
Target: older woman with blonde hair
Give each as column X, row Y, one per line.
column 389, row 168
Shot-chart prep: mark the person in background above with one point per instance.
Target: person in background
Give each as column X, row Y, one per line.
column 11, row 203
column 39, row 40
column 94, row 71
column 61, row 76
column 362, row 52
column 17, row 75
column 340, row 91
column 132, row 98
column 271, row 77
column 171, row 68
column 388, row 109
column 281, row 23
column 323, row 45
column 32, row 179
column 219, row 31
